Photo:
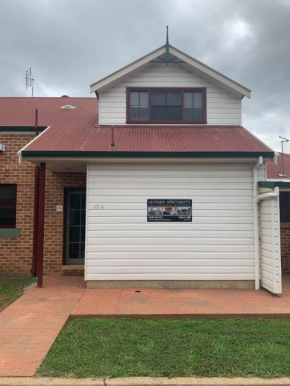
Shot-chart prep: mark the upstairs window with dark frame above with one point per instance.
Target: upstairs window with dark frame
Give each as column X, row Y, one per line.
column 166, row 106
column 8, row 195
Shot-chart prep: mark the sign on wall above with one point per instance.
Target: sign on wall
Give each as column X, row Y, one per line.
column 169, row 210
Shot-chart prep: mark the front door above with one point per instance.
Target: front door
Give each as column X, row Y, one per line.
column 75, row 226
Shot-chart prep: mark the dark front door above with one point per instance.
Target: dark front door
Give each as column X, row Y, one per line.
column 75, row 226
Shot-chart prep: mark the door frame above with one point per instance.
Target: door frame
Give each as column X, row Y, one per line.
column 65, row 233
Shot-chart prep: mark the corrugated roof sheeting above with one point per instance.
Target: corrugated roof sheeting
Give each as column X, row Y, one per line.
column 78, row 130
column 80, row 136
column 273, row 170
column 21, row 112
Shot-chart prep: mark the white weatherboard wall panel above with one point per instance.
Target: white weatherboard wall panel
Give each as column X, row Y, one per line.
column 217, row 245
column 270, row 245
column 222, row 107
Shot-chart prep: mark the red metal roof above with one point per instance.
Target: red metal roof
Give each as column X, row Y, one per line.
column 78, row 130
column 150, row 139
column 21, row 112
column 273, row 170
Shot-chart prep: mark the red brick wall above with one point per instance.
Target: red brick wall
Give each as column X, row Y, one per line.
column 285, row 246
column 54, row 221
column 16, row 253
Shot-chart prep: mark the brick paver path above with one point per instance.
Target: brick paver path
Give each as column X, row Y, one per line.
column 31, row 324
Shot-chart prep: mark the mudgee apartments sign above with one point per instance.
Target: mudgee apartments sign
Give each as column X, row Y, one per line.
column 169, row 210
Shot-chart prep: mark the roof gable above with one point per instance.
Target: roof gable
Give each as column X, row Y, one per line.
column 200, row 68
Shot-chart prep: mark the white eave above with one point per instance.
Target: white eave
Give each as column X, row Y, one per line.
column 197, row 66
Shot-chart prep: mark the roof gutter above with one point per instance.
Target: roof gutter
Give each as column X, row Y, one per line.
column 273, row 184
column 143, row 154
column 20, row 153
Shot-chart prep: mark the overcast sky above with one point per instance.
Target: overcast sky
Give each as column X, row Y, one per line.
column 71, row 43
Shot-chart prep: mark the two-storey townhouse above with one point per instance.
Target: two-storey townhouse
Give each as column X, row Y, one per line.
column 171, row 176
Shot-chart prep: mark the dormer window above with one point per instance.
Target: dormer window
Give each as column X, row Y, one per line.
column 166, row 106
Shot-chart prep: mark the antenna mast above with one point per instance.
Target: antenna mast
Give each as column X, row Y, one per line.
column 282, row 140
column 29, row 80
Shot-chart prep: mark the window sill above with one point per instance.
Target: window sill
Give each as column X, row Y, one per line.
column 9, row 232
column 155, row 123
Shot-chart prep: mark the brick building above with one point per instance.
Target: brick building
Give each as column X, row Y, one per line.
column 17, row 129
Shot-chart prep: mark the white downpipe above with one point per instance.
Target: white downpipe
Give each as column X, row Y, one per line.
column 267, row 196
column 256, row 224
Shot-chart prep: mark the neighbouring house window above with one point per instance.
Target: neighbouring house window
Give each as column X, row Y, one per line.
column 7, row 206
column 166, row 106
column 284, row 207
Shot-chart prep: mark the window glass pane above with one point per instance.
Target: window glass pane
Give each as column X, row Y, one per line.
column 83, row 201
column 82, row 251
column 144, row 99
column 197, row 114
column 170, row 113
column 75, row 217
column 174, row 113
column 8, row 192
column 75, row 201
column 7, row 201
column 197, row 99
column 188, row 99
column 144, row 113
column 134, row 113
column 158, row 98
column 74, row 250
column 285, row 207
column 158, row 113
column 8, row 211
column 83, row 234
column 7, row 206
column 9, row 221
column 188, row 114
column 83, row 217
column 74, row 234
column 134, row 98
column 174, row 98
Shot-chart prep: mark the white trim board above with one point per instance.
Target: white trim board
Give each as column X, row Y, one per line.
column 204, row 70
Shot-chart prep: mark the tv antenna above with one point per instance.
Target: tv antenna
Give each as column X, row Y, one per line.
column 282, row 169
column 29, row 80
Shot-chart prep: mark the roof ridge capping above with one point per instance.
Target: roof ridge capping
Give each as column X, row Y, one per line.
column 199, row 67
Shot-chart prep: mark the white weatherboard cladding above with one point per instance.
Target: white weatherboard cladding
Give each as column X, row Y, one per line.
column 270, row 245
column 122, row 245
column 222, row 107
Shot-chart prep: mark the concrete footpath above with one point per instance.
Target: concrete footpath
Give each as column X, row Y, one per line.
column 143, row 382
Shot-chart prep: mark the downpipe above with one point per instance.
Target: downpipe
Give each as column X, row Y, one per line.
column 256, row 199
column 256, row 224
column 267, row 196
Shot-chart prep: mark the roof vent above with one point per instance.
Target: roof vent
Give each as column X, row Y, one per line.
column 65, row 96
column 68, row 107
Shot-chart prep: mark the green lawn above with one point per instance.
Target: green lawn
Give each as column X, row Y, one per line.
column 170, row 348
column 11, row 287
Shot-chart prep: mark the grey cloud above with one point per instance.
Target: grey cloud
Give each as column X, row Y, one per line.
column 70, row 43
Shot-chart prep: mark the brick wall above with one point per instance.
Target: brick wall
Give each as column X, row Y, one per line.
column 16, row 253
column 285, row 247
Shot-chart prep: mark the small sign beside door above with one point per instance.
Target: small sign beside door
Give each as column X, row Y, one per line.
column 169, row 210
column 59, row 208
